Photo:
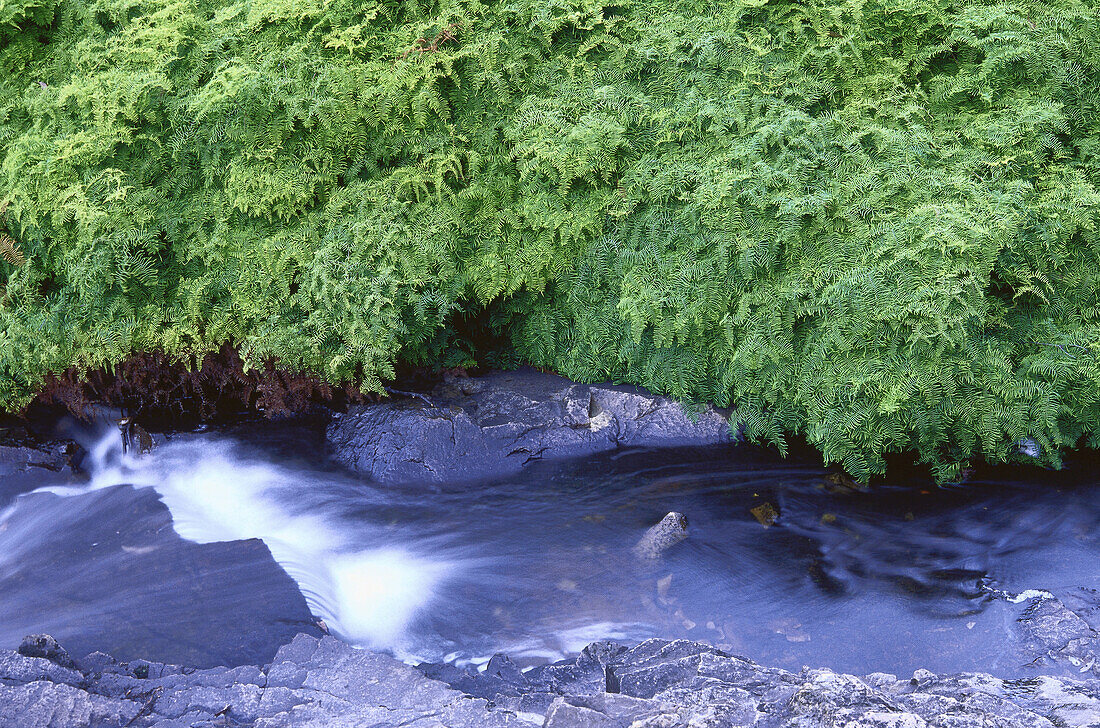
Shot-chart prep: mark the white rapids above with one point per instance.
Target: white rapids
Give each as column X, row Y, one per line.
column 365, row 588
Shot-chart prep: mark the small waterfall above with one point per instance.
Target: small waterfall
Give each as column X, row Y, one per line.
column 365, row 587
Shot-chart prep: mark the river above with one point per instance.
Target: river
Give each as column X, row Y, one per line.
column 783, row 564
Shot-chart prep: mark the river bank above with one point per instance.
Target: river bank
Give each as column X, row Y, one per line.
column 656, row 684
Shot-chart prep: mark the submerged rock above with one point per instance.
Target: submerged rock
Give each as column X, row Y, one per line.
column 1063, row 631
column 494, row 425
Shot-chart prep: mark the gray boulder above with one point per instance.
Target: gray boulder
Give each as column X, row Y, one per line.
column 663, row 535
column 496, row 424
column 1063, row 631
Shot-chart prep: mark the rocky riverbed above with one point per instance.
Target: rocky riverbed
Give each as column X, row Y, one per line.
column 655, row 684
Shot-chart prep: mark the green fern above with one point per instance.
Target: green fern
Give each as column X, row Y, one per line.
column 870, row 223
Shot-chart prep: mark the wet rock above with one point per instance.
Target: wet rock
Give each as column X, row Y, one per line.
column 21, row 453
column 497, row 424
column 536, row 689
column 175, row 601
column 588, row 674
column 765, row 514
column 1051, row 632
column 502, row 667
column 135, row 438
column 45, row 646
column 501, row 683
column 669, row 531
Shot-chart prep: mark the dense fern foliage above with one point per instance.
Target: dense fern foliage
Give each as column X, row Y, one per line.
column 870, row 222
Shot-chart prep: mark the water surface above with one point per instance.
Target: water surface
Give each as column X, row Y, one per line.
column 895, row 578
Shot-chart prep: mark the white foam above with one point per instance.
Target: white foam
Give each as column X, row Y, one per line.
column 379, row 591
column 369, row 595
column 1029, row 594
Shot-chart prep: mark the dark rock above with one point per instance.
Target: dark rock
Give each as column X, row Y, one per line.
column 502, row 667
column 501, row 683
column 27, row 463
column 21, row 452
column 174, row 600
column 96, row 663
column 45, row 646
column 588, row 674
column 497, row 424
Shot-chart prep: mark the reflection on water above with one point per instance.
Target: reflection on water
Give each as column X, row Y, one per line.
column 893, row 578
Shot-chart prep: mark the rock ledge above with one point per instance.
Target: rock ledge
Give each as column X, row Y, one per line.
column 495, row 425
column 656, row 684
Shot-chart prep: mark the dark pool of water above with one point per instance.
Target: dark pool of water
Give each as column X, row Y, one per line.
column 898, row 577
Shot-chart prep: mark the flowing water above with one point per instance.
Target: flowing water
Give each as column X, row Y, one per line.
column 894, row 578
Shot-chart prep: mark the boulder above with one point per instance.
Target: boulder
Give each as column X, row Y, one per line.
column 45, row 646
column 117, row 577
column 496, row 424
column 666, row 533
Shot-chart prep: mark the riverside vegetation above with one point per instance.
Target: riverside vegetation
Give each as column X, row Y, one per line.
column 872, row 223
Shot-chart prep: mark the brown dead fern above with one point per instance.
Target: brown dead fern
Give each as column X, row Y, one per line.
column 9, row 248
column 9, row 251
